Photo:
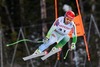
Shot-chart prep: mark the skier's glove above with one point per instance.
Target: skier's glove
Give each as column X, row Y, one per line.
column 73, row 47
column 45, row 40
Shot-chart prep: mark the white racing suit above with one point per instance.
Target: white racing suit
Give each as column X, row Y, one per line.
column 59, row 33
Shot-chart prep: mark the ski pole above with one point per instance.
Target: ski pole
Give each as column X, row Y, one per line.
column 18, row 42
column 66, row 53
column 21, row 41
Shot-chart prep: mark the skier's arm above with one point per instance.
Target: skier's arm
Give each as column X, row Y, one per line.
column 74, row 35
column 53, row 27
column 74, row 38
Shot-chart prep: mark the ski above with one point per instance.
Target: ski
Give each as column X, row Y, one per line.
column 33, row 56
column 50, row 53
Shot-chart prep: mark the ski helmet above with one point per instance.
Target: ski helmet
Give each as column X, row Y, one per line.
column 70, row 14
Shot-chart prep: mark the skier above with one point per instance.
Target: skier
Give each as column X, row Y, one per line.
column 59, row 33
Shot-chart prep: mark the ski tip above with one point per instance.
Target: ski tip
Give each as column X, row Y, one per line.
column 43, row 59
column 24, row 59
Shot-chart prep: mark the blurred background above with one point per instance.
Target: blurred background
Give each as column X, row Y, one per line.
column 31, row 19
